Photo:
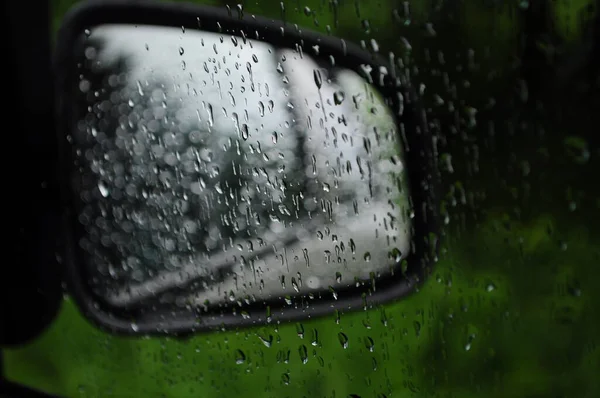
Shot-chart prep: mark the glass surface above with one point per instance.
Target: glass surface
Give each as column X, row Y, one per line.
column 511, row 93
column 231, row 167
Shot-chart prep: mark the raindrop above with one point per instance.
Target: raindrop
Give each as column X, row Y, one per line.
column 303, row 353
column 369, row 344
column 367, row 256
column 211, row 119
column 384, row 318
column 315, row 338
column 267, row 341
column 254, row 58
column 318, row 78
column 374, row 45
column 245, row 132
column 338, row 97
column 366, row 26
column 104, row 191
column 240, row 357
column 218, row 188
column 417, row 326
column 429, row 29
column 307, row 11
column 333, row 292
column 577, row 148
column 274, row 137
column 469, row 342
column 181, row 50
column 343, row 340
column 338, row 277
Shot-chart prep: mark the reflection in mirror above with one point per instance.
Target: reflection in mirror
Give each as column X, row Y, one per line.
column 213, row 168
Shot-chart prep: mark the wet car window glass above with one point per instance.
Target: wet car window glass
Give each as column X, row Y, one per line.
column 511, row 93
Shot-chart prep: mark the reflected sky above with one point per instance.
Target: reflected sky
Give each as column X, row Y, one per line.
column 243, row 169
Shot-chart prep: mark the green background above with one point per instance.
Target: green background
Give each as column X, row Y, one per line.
column 512, row 308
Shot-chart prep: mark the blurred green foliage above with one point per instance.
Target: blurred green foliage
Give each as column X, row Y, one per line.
column 511, row 308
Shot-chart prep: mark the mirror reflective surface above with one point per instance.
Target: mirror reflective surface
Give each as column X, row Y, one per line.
column 213, row 168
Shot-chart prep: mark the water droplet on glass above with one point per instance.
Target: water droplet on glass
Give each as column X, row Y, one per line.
column 333, row 292
column 104, row 191
column 369, row 344
column 318, row 78
column 302, row 350
column 245, row 133
column 315, row 338
column 300, row 330
column 218, row 188
column 240, row 357
column 366, row 25
column 338, row 97
column 577, row 148
column 267, row 341
column 343, row 339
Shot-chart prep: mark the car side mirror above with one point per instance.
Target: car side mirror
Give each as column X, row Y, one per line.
column 221, row 170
